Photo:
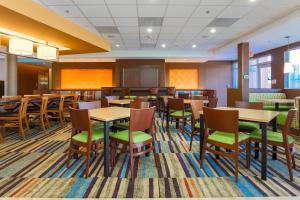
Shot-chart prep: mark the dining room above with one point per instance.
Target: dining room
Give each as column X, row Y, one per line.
column 149, row 99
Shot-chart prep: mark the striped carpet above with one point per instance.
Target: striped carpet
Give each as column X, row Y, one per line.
column 36, row 168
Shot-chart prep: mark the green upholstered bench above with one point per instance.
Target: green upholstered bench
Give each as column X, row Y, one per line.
column 261, row 97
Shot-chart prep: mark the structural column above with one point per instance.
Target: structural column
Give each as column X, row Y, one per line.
column 12, row 75
column 243, row 69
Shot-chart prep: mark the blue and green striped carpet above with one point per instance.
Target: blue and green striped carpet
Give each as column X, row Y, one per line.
column 36, row 168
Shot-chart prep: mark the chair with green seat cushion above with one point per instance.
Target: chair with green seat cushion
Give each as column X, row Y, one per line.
column 196, row 107
column 137, row 137
column 83, row 136
column 281, row 118
column 225, row 135
column 176, row 110
column 152, row 98
column 283, row 139
column 121, row 125
column 130, row 97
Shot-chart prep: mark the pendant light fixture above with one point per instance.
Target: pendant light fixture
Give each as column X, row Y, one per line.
column 288, row 66
column 20, row 47
column 46, row 52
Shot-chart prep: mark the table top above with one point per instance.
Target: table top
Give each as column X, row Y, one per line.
column 253, row 115
column 120, row 101
column 280, row 100
column 109, row 113
column 188, row 101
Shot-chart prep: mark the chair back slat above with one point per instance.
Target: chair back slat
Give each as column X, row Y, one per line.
column 104, row 103
column 89, row 105
column 80, row 119
column 23, row 108
column 288, row 122
column 141, row 119
column 197, row 107
column 249, row 105
column 176, row 104
column 221, row 120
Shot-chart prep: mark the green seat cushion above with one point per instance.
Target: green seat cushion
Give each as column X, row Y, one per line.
column 179, row 114
column 226, row 138
column 284, row 107
column 138, row 136
column 152, row 97
column 197, row 125
column 282, row 117
column 98, row 126
column 122, row 125
column 272, row 136
column 269, row 107
column 129, row 97
column 248, row 125
column 83, row 136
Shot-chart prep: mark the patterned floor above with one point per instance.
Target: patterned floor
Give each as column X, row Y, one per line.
column 36, row 168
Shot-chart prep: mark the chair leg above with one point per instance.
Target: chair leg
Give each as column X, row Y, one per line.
column 236, row 159
column 191, row 143
column 289, row 162
column 203, row 152
column 42, row 122
column 154, row 154
column 293, row 161
column 131, row 164
column 217, row 149
column 248, row 154
column 47, row 120
column 69, row 155
column 88, row 155
column 21, row 129
column 61, row 118
column 256, row 156
column 27, row 126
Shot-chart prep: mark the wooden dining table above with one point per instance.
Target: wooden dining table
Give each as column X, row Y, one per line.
column 107, row 115
column 120, row 102
column 263, row 117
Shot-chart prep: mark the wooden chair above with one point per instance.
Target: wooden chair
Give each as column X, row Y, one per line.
column 283, row 139
column 83, row 136
column 18, row 120
column 126, row 92
column 42, row 113
column 136, row 137
column 33, row 96
column 212, row 102
column 176, row 110
column 248, row 126
column 89, row 96
column 136, row 104
column 184, row 95
column 224, row 124
column 153, row 94
column 58, row 111
column 104, row 103
column 197, row 107
column 142, row 98
column 171, row 91
column 200, row 98
column 76, row 100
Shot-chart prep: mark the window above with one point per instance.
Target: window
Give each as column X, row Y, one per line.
column 86, row 78
column 184, row 78
column 292, row 80
column 235, row 73
column 260, row 72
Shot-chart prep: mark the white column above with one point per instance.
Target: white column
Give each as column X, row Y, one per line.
column 12, row 75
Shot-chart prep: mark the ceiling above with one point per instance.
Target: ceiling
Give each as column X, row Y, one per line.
column 178, row 24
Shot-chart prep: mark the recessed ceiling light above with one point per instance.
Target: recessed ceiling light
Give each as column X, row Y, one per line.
column 117, row 45
column 149, row 30
column 163, row 45
column 252, row 0
column 213, row 30
column 194, row 46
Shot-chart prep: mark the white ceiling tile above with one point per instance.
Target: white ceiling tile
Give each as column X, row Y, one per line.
column 155, row 30
column 94, row 10
column 126, row 21
column 123, row 11
column 170, row 29
column 121, row 2
column 128, row 29
column 184, row 2
column 151, row 10
column 245, row 3
column 192, row 29
column 57, row 2
column 80, row 20
column 216, row 2
column 152, row 2
column 106, row 21
column 235, row 11
column 208, row 11
column 130, row 36
column 67, row 11
column 200, row 22
column 179, row 11
column 175, row 21
column 88, row 2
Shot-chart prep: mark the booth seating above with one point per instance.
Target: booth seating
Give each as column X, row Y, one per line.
column 261, row 97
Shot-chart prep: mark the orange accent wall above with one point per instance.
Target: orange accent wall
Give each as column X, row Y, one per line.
column 86, row 78
column 184, row 78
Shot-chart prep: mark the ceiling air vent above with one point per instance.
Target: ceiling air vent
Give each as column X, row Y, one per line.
column 223, row 22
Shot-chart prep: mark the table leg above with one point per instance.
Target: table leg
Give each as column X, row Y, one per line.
column 2, row 132
column 264, row 151
column 274, row 128
column 201, row 133
column 276, row 106
column 106, row 149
